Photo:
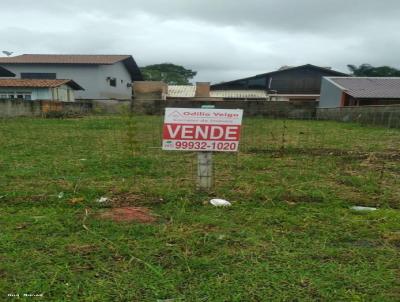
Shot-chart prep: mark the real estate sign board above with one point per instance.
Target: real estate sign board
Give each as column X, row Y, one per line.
column 192, row 129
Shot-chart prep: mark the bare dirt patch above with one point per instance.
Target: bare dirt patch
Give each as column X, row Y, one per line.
column 128, row 214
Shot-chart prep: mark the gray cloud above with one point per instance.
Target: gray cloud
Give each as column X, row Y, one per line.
column 221, row 39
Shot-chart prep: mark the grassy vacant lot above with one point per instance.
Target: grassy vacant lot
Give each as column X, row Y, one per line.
column 289, row 236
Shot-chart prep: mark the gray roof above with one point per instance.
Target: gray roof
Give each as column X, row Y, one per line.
column 369, row 88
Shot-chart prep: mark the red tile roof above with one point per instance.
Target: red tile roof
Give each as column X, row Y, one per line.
column 38, row 83
column 64, row 59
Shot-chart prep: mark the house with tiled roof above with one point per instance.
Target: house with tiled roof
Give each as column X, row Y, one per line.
column 39, row 89
column 359, row 91
column 102, row 76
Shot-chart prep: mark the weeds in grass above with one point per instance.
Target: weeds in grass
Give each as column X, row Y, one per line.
column 288, row 236
column 283, row 138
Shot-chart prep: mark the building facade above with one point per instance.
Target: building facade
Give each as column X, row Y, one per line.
column 101, row 76
column 287, row 84
column 35, row 89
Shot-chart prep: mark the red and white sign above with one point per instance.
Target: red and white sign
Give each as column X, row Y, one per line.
column 191, row 129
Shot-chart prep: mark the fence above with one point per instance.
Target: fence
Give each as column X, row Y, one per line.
column 388, row 116
column 297, row 109
column 17, row 108
column 280, row 160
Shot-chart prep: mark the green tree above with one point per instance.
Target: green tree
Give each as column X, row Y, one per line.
column 169, row 73
column 367, row 70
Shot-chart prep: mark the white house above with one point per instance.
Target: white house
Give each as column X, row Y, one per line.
column 102, row 76
column 36, row 89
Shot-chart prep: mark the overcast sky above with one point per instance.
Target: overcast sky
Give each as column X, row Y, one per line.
column 221, row 39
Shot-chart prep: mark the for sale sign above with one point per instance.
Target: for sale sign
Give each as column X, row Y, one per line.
column 191, row 129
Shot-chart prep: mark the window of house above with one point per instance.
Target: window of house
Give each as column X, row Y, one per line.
column 113, row 82
column 27, row 96
column 38, row 75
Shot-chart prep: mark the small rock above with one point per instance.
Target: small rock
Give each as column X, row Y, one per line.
column 220, row 202
column 103, row 199
column 363, row 209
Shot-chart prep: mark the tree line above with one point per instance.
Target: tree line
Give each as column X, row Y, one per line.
column 367, row 70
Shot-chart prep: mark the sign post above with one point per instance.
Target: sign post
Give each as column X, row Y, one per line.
column 204, row 131
column 204, row 170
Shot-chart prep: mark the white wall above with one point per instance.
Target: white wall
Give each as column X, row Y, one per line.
column 121, row 91
column 41, row 94
column 331, row 95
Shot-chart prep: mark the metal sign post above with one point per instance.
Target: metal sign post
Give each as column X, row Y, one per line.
column 205, row 165
column 204, row 170
column 204, row 131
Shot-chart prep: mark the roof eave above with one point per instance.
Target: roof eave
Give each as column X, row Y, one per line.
column 74, row 85
column 334, row 73
column 133, row 69
column 6, row 73
column 371, row 97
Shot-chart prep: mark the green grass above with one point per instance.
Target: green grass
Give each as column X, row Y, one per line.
column 289, row 236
